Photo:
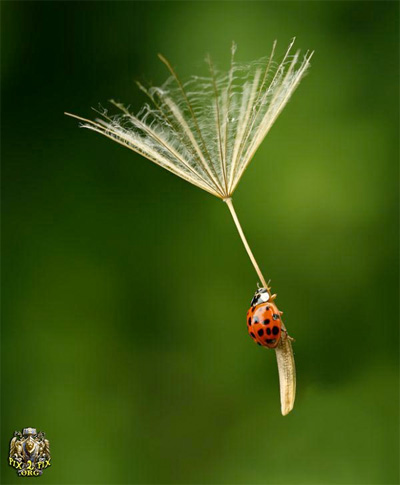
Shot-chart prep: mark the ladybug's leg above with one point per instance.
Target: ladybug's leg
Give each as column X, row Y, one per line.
column 273, row 297
column 288, row 336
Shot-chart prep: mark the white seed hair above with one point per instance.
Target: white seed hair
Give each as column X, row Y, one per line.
column 207, row 129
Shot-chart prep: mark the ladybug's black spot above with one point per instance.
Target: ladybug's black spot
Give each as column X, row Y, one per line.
column 249, row 321
column 275, row 316
column 256, row 320
column 266, row 322
column 268, row 331
column 267, row 307
column 252, row 334
column 261, row 332
column 270, row 340
column 258, row 343
column 275, row 330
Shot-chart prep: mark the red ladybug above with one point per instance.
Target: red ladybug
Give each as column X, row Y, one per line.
column 264, row 320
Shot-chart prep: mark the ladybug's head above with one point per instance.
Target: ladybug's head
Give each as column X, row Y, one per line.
column 261, row 296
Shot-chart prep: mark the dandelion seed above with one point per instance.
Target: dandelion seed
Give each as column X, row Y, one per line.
column 206, row 131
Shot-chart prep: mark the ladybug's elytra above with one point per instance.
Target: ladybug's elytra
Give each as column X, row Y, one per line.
column 264, row 320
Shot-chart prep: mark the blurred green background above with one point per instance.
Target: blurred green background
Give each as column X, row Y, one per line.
column 125, row 289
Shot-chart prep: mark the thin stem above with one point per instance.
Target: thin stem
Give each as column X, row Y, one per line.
column 245, row 243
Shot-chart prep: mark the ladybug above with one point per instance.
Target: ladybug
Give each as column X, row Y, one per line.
column 264, row 320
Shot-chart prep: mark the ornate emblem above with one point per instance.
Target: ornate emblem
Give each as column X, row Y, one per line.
column 29, row 452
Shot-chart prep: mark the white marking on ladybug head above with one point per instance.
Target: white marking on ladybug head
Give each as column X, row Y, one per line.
column 264, row 297
column 261, row 296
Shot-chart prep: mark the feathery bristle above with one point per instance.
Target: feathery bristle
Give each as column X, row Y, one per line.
column 207, row 129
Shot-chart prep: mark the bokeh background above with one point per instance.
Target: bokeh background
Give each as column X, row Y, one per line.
column 125, row 289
